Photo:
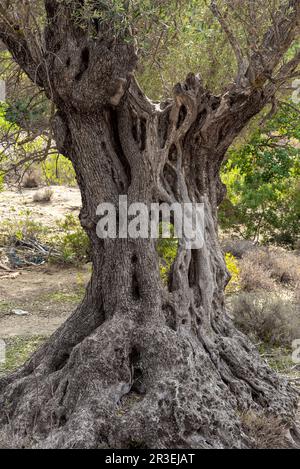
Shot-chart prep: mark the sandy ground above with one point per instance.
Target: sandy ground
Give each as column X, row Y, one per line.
column 49, row 294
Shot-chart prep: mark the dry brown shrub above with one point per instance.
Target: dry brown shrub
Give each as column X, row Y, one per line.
column 284, row 265
column 43, row 195
column 254, row 275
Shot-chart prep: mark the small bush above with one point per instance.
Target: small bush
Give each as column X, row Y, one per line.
column 19, row 227
column 284, row 266
column 267, row 318
column 67, row 242
column 43, row 195
column 237, row 247
column 58, row 170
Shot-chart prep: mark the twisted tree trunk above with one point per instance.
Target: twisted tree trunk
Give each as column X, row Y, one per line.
column 137, row 364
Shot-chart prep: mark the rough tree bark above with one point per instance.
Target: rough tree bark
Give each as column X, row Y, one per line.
column 137, row 364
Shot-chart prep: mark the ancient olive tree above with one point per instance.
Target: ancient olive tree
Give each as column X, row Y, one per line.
column 138, row 364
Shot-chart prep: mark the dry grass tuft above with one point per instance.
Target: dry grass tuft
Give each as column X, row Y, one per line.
column 263, row 268
column 254, row 275
column 237, row 247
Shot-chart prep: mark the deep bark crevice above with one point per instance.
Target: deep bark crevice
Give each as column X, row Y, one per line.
column 135, row 287
column 143, row 138
column 61, row 362
column 137, row 372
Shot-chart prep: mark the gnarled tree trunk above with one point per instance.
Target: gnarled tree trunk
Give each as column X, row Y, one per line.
column 138, row 364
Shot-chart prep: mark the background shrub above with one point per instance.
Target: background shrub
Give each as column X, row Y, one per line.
column 284, row 266
column 262, row 178
column 58, row 170
column 263, row 268
column 20, row 226
column 31, row 179
column 237, row 247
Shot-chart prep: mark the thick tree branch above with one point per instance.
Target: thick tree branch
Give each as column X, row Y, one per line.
column 229, row 33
